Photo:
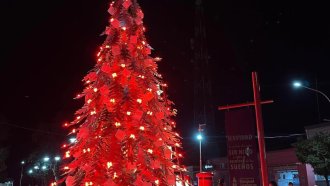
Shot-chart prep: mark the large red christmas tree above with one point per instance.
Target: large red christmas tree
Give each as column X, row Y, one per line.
column 124, row 130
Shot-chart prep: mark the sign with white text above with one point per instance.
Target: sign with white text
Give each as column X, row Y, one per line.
column 242, row 147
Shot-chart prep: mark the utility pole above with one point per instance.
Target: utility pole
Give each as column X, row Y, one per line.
column 260, row 129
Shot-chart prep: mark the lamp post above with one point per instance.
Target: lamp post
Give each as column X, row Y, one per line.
column 200, row 137
column 298, row 84
column 22, row 167
column 54, row 168
column 53, row 164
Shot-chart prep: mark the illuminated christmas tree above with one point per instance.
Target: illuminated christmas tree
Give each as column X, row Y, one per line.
column 124, row 131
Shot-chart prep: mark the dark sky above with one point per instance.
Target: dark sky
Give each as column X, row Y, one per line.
column 48, row 46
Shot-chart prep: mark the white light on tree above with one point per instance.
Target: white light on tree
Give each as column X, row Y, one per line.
column 72, row 140
column 44, row 167
column 30, row 171
column 36, row 167
column 22, row 162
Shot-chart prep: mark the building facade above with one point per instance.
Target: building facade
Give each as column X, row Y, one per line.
column 283, row 167
column 315, row 129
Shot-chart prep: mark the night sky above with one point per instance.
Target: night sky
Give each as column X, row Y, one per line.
column 48, row 46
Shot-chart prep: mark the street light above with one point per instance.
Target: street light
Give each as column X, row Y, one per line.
column 200, row 137
column 22, row 167
column 46, row 159
column 57, row 158
column 45, row 164
column 298, row 84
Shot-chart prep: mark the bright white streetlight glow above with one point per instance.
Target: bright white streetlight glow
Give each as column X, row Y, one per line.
column 46, row 159
column 22, row 162
column 297, row 84
column 72, row 140
column 30, row 171
column 57, row 158
column 44, row 167
column 199, row 137
column 36, row 167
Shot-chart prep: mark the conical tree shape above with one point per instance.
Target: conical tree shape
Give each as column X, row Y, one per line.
column 124, row 130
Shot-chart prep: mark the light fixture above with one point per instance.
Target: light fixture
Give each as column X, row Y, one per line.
column 57, row 158
column 199, row 137
column 297, row 84
column 46, row 159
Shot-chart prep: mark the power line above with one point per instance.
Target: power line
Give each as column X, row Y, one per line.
column 31, row 129
column 286, row 136
column 266, row 137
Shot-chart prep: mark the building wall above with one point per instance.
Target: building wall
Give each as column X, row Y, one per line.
column 280, row 163
column 314, row 129
column 281, row 157
column 286, row 160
